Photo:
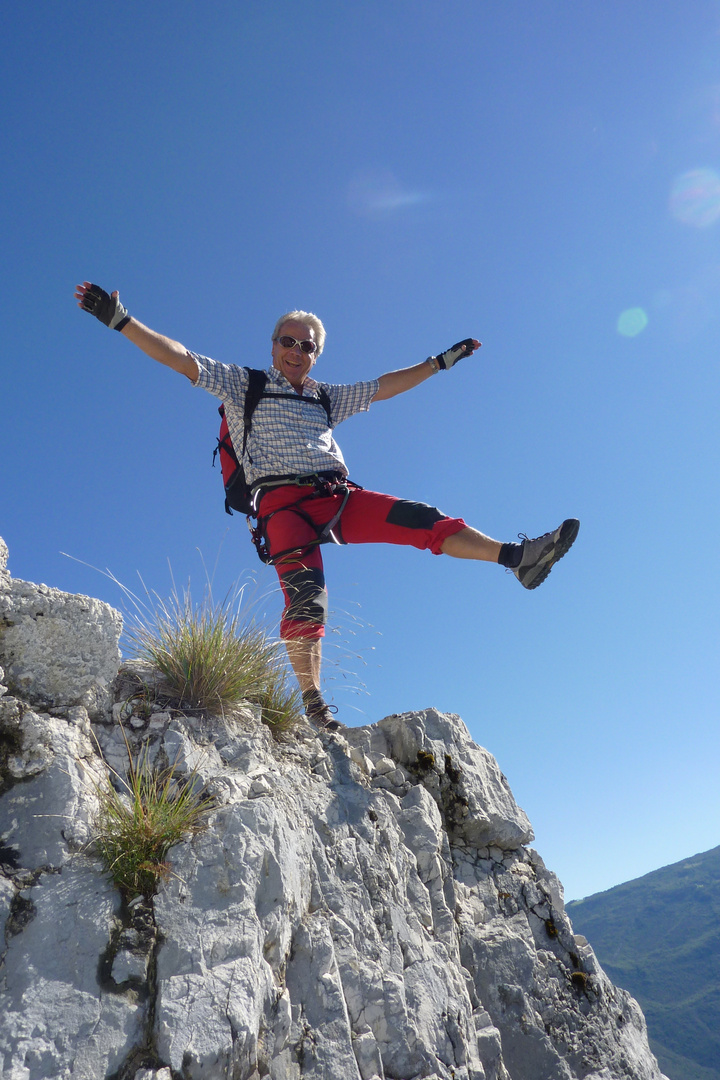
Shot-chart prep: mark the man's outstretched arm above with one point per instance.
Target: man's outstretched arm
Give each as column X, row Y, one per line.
column 397, row 382
column 108, row 309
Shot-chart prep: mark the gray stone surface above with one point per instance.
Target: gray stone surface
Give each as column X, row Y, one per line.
column 464, row 779
column 360, row 906
column 56, row 1017
column 57, row 648
column 4, row 572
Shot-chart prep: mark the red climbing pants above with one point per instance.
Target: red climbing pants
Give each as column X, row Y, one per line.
column 368, row 518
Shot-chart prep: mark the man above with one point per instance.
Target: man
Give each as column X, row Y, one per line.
column 299, row 479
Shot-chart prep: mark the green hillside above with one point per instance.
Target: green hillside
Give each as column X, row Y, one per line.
column 659, row 938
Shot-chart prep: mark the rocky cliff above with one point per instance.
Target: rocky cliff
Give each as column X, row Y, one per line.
column 360, row 906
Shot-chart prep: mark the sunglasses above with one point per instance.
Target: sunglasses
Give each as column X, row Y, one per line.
column 307, row 346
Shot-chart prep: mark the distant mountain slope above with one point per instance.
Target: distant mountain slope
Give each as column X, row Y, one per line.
column 659, row 938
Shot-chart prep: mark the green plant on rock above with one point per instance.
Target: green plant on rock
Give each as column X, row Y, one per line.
column 214, row 657
column 136, row 826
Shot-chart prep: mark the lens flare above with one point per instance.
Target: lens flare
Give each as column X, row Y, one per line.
column 695, row 198
column 632, row 322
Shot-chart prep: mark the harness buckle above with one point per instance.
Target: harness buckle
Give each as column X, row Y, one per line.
column 259, row 539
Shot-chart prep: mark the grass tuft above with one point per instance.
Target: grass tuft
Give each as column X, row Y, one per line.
column 137, row 826
column 213, row 656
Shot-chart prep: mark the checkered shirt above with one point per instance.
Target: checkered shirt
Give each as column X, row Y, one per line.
column 288, row 437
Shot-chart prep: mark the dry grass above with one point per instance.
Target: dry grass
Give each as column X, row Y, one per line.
column 214, row 656
column 137, row 826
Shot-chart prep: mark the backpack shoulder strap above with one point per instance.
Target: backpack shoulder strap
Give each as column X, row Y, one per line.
column 256, row 384
column 325, row 402
column 257, row 381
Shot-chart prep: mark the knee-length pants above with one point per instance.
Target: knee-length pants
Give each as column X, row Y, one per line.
column 367, row 518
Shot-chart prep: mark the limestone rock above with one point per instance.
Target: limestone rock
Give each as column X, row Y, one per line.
column 360, row 905
column 56, row 1017
column 4, row 573
column 463, row 778
column 57, row 648
column 321, row 926
column 58, row 911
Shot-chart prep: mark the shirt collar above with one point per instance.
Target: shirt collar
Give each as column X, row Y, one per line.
column 278, row 378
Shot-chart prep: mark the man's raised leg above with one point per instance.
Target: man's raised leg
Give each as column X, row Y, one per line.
column 471, row 544
column 531, row 561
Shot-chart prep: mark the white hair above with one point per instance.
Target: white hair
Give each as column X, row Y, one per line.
column 309, row 319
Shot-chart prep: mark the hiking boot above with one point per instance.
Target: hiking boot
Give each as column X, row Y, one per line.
column 540, row 555
column 319, row 713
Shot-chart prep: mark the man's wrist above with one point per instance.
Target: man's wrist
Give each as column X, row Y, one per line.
column 432, row 361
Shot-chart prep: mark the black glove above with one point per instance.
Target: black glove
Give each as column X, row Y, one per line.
column 107, row 309
column 451, row 356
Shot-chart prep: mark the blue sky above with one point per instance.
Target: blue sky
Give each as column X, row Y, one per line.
column 545, row 177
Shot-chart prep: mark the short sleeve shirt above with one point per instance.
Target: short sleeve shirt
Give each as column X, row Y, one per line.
column 289, row 436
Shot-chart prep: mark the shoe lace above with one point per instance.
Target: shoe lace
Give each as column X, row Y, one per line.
column 316, row 705
column 532, row 539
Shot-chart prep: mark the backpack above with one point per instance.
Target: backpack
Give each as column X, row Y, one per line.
column 238, row 495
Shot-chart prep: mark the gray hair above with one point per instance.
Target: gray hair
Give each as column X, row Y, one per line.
column 309, row 319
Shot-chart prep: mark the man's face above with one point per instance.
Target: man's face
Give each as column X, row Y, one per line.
column 293, row 363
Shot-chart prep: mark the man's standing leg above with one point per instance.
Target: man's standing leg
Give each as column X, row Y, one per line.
column 302, row 629
column 302, row 580
column 305, row 655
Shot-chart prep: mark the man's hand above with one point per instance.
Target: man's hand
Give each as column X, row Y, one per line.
column 451, row 356
column 104, row 307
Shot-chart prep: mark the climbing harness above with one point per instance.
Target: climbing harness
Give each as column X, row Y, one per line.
column 323, row 485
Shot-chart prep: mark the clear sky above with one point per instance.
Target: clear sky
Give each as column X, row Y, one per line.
column 542, row 176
